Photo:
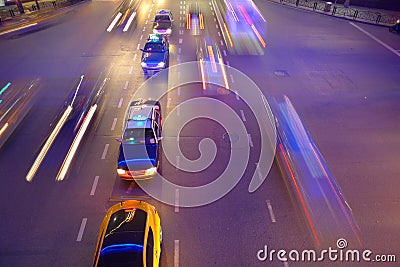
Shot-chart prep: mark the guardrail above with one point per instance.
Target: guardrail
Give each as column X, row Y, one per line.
column 358, row 14
column 9, row 12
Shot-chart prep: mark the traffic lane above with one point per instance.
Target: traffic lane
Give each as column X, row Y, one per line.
column 344, row 92
column 38, row 197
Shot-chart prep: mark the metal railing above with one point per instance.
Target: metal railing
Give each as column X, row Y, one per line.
column 8, row 12
column 341, row 11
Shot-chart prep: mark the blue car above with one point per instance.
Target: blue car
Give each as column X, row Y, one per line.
column 139, row 148
column 155, row 54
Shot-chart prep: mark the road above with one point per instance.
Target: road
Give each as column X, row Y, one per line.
column 343, row 83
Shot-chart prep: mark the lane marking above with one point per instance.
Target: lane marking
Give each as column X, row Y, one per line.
column 103, row 156
column 215, row 19
column 134, row 57
column 179, row 91
column 144, row 29
column 113, row 124
column 232, row 81
column 178, row 160
column 376, row 39
column 180, row 40
column 141, row 37
column 250, row 140
column 179, row 50
column 176, row 253
column 271, row 212
column 146, row 22
column 224, row 51
column 222, row 43
column 148, row 16
column 176, row 200
column 216, row 26
column 126, row 85
column 242, row 114
column 81, row 230
column 130, row 70
column 120, row 102
column 138, row 47
column 180, row 32
column 94, row 186
column 227, row 63
column 237, row 95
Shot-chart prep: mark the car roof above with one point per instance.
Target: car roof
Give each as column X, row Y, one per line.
column 163, row 12
column 140, row 114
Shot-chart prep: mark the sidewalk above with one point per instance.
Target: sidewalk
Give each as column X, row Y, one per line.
column 355, row 13
column 12, row 20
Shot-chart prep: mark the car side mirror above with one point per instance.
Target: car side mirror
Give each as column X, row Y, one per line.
column 118, row 139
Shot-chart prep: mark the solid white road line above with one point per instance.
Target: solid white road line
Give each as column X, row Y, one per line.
column 120, row 102
column 242, row 114
column 94, row 186
column 176, row 200
column 103, row 156
column 376, row 39
column 81, row 230
column 176, row 253
column 271, row 212
column 113, row 124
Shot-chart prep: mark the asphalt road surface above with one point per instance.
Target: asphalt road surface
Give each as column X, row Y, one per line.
column 343, row 79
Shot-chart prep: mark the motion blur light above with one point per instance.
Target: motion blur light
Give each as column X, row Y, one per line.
column 161, row 64
column 169, row 31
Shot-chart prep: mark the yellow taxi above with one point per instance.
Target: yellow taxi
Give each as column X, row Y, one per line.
column 130, row 235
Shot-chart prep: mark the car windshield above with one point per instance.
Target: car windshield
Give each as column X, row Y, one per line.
column 162, row 18
column 153, row 48
column 140, row 135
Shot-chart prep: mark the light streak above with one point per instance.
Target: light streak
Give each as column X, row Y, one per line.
column 48, row 144
column 117, row 17
column 128, row 24
column 263, row 43
column 75, row 144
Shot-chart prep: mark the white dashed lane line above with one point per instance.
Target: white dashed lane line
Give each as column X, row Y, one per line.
column 179, row 50
column 231, row 76
column 94, row 186
column 130, row 70
column 180, row 40
column 224, row 51
column 250, row 140
column 141, row 37
column 219, row 34
column 103, row 156
column 242, row 114
column 113, row 124
column 176, row 253
column 237, row 95
column 144, row 29
column 176, row 200
column 126, row 85
column 271, row 212
column 222, row 43
column 120, row 102
column 138, row 46
column 146, row 22
column 134, row 57
column 81, row 230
